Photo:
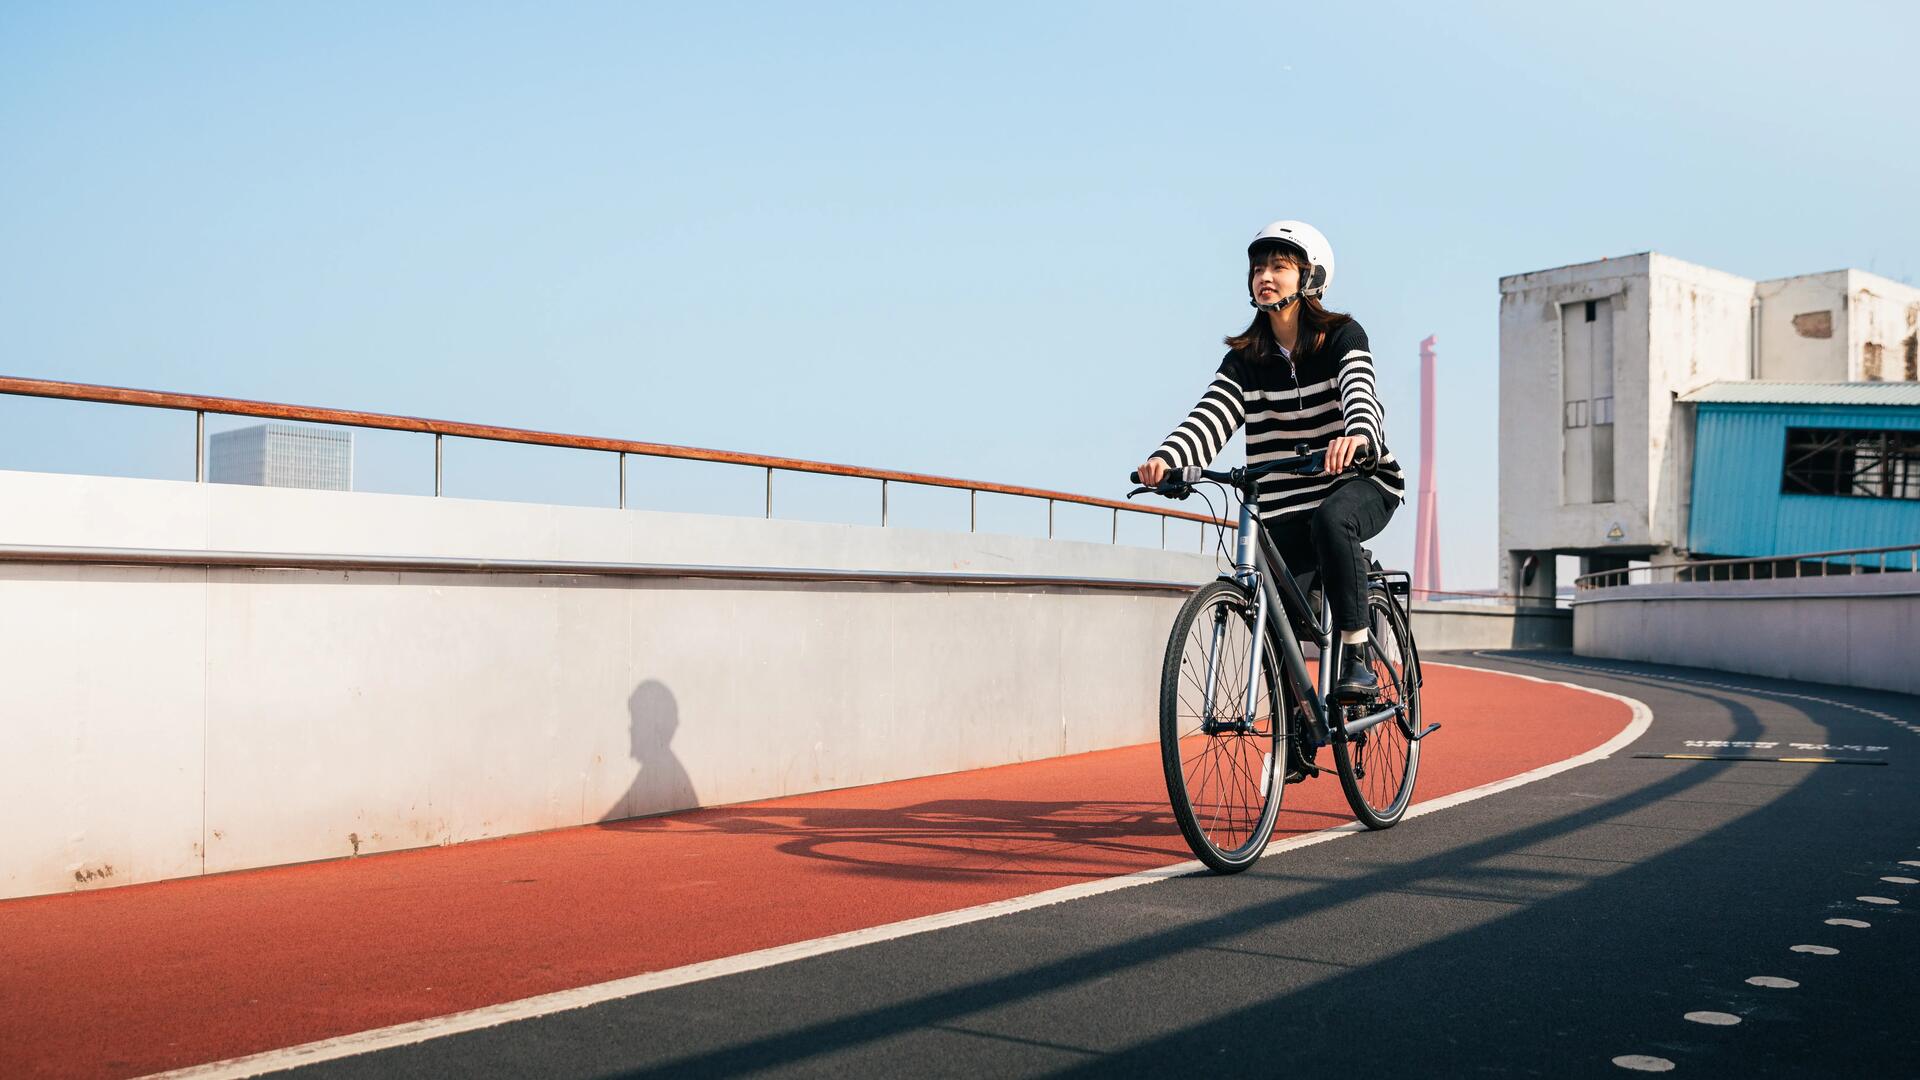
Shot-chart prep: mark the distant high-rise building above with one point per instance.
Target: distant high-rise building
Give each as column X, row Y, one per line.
column 283, row 455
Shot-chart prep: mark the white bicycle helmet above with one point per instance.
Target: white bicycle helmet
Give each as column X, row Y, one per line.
column 1310, row 244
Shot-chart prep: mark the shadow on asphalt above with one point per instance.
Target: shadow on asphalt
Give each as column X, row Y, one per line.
column 944, row 839
column 1576, row 965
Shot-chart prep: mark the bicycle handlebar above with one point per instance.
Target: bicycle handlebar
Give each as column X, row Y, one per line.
column 1178, row 483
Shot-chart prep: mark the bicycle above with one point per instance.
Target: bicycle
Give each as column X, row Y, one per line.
column 1222, row 693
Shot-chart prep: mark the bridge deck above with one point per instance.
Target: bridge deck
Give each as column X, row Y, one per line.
column 129, row 981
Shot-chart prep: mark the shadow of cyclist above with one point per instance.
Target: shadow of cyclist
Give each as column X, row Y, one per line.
column 663, row 783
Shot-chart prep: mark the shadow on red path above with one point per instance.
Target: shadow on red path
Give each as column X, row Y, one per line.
column 133, row 980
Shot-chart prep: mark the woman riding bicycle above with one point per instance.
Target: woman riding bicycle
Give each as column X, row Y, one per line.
column 1302, row 374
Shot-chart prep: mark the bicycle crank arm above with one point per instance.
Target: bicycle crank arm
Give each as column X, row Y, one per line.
column 1430, row 729
column 1355, row 727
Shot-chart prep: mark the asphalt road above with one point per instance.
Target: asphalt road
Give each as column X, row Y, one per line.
column 1543, row 931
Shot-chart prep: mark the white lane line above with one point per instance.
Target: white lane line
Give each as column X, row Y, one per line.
column 418, row 1031
column 1910, row 862
column 1901, row 880
column 1876, row 899
column 1862, row 709
column 1643, row 1063
column 1717, row 1019
column 1855, row 923
column 1772, row 982
column 1816, row 950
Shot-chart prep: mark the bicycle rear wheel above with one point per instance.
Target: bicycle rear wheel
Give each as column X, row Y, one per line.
column 1223, row 770
column 1377, row 767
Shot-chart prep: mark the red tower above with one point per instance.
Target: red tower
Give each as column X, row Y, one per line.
column 1426, row 541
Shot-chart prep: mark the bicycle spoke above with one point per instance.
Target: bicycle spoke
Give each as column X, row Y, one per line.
column 1224, row 796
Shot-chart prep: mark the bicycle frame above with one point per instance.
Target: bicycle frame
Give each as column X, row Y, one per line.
column 1278, row 595
column 1280, row 603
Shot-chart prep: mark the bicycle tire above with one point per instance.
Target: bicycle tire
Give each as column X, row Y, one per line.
column 1225, row 787
column 1378, row 767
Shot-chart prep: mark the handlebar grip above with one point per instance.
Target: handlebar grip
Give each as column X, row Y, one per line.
column 1187, row 474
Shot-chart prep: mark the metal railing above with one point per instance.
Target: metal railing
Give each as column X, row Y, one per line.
column 1902, row 558
column 1441, row 596
column 201, row 406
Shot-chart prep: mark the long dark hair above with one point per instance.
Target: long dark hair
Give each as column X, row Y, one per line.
column 1316, row 322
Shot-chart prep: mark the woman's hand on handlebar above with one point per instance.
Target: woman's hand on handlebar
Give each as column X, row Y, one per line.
column 1152, row 472
column 1342, row 451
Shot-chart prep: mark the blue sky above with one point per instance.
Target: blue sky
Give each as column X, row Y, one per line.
column 998, row 242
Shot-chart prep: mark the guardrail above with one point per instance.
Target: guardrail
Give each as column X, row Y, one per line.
column 1878, row 560
column 201, row 405
column 1441, row 596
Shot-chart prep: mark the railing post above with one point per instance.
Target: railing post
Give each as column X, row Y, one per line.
column 769, row 493
column 1163, row 532
column 1116, row 525
column 623, row 479
column 1049, row 519
column 883, row 504
column 199, row 447
column 438, row 464
column 973, row 509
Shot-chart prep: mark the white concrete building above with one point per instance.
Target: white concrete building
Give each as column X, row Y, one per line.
column 1595, row 457
column 1841, row 326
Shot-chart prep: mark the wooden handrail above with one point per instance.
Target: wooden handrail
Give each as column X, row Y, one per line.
column 156, row 399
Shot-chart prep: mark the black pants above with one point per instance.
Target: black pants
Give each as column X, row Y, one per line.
column 1328, row 537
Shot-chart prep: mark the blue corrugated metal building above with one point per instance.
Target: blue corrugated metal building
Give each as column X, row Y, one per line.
column 1773, row 464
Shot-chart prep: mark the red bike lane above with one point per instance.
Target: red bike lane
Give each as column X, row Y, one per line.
column 128, row 981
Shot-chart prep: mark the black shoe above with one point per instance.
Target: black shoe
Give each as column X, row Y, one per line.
column 1357, row 681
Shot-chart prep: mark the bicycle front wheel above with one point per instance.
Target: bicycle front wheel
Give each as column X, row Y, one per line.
column 1222, row 760
column 1377, row 766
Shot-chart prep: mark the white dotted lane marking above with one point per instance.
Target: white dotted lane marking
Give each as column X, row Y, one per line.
column 1901, row 880
column 1855, row 923
column 1643, row 1063
column 1772, row 982
column 1817, row 950
column 1910, row 862
column 1876, row 899
column 1717, row 1019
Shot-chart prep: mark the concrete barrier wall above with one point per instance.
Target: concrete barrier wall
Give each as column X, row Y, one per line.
column 170, row 722
column 1453, row 625
column 1855, row 630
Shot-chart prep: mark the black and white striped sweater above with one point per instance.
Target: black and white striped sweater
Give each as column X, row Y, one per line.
column 1310, row 398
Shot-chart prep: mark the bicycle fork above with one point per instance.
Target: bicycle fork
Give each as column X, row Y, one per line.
column 1249, row 577
column 1215, row 723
